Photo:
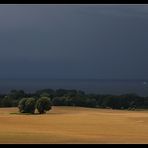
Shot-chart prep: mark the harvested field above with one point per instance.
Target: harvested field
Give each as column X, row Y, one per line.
column 74, row 125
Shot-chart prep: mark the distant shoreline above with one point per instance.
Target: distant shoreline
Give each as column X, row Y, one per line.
column 95, row 86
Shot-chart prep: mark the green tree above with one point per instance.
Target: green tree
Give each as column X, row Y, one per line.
column 43, row 104
column 27, row 105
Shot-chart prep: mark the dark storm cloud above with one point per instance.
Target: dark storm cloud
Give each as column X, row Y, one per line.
column 74, row 41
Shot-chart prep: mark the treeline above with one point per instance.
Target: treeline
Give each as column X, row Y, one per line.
column 63, row 97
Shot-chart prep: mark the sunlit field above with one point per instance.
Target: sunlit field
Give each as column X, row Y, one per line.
column 74, row 125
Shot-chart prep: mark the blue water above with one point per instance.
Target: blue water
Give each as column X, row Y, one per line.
column 139, row 87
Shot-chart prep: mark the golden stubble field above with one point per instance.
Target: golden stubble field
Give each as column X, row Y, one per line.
column 74, row 125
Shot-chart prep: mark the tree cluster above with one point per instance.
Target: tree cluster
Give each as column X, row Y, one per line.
column 28, row 105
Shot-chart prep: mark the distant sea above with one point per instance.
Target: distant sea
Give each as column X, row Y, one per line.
column 98, row 86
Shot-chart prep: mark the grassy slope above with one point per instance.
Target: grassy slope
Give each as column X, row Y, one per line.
column 74, row 125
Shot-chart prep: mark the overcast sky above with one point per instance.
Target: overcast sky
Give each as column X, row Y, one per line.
column 74, row 41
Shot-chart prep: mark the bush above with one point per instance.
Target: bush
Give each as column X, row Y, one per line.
column 43, row 104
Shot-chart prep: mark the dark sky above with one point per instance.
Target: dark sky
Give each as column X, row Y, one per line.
column 74, row 41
